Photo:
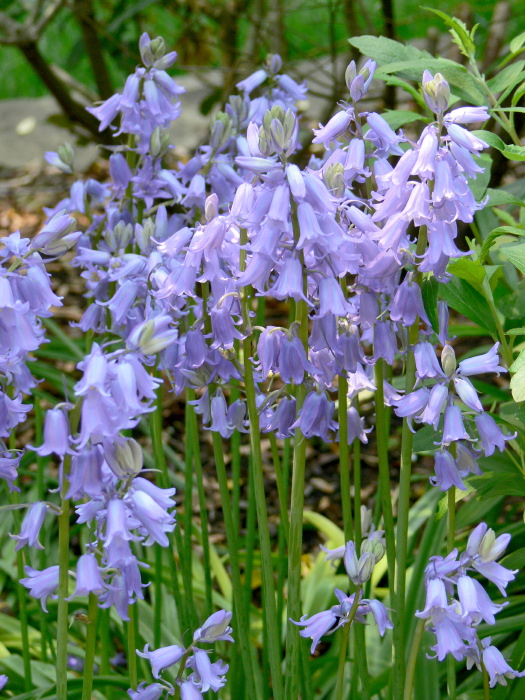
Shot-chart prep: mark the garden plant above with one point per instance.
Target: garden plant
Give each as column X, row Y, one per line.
column 373, row 296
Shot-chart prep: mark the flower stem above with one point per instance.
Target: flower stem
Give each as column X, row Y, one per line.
column 412, row 660
column 41, row 463
column 451, row 518
column 344, row 459
column 268, row 586
column 486, row 685
column 91, row 637
column 357, row 493
column 295, row 537
column 344, row 646
column 193, row 437
column 240, row 609
column 132, row 644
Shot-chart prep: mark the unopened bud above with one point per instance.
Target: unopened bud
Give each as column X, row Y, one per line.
column 333, row 178
column 124, row 457
column 436, row 92
column 277, row 134
column 373, row 546
column 211, row 208
column 486, row 545
column 157, row 47
column 119, row 237
column 274, row 63
column 350, row 74
column 66, row 153
column 448, row 360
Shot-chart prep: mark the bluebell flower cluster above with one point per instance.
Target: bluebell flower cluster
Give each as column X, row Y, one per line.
column 204, row 675
column 456, row 603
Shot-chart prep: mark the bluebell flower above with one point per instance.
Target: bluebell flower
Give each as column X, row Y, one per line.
column 41, row 584
column 163, row 658
column 31, row 526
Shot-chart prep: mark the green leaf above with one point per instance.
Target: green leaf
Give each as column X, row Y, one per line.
column 459, row 495
column 498, row 198
column 462, row 297
column 326, row 526
column 384, row 50
column 518, row 363
column 515, row 252
column 490, row 138
column 429, row 291
column 491, row 238
column 517, row 385
column 460, row 34
column 516, row 331
column 517, row 42
column 491, row 485
column 425, row 439
column 478, row 185
column 514, row 152
column 509, row 76
column 470, row 270
column 396, row 118
column 460, row 80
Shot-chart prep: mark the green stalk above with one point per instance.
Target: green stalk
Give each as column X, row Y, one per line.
column 388, row 518
column 157, row 586
column 193, row 437
column 41, row 463
column 344, row 459
column 486, row 685
column 91, row 638
column 357, row 493
column 243, row 625
column 268, row 586
column 62, row 617
column 295, row 537
column 22, row 599
column 344, row 646
column 283, row 531
column 174, row 537
column 132, row 645
column 412, row 660
column 451, row 535
column 188, row 512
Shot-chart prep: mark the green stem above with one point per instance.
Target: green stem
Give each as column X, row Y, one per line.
column 295, row 537
column 268, row 586
column 157, row 585
column 132, row 645
column 155, row 424
column 243, row 625
column 91, row 637
column 412, row 660
column 486, row 685
column 344, row 459
column 283, row 531
column 344, row 645
column 22, row 600
column 193, row 437
column 451, row 535
column 188, row 512
column 41, row 463
column 357, row 493
column 63, row 580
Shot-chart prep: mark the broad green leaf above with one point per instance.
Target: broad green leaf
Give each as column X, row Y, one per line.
column 514, row 152
column 384, row 50
column 517, row 385
column 490, row 138
column 461, row 330
column 515, row 252
column 410, row 90
column 491, row 238
column 396, row 118
column 516, row 331
column 470, row 270
column 509, row 76
column 478, row 185
column 462, row 297
column 518, row 363
column 460, row 80
column 498, row 198
column 425, row 439
column 502, row 485
column 517, row 42
column 429, row 291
